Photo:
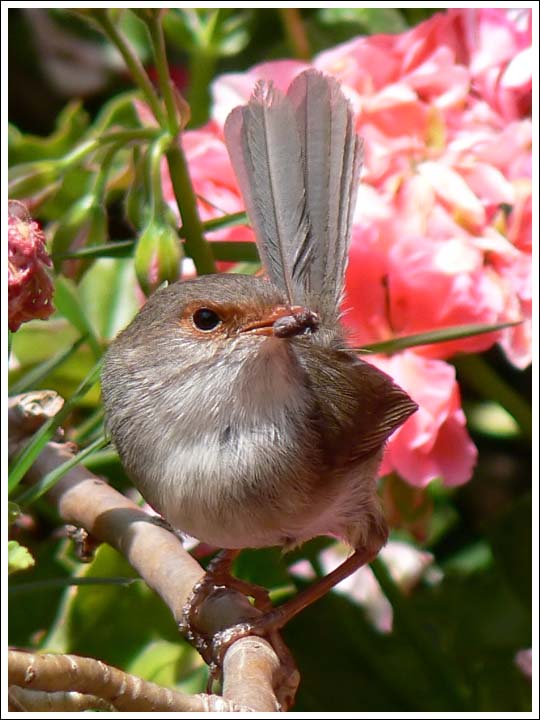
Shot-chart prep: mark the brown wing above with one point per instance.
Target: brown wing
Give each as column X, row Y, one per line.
column 359, row 405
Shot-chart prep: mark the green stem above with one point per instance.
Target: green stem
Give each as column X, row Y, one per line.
column 78, row 154
column 100, row 180
column 120, row 138
column 196, row 245
column 133, row 63
column 164, row 77
column 155, row 154
column 202, row 68
column 482, row 378
column 126, row 136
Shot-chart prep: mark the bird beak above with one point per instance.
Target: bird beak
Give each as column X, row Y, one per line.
column 283, row 321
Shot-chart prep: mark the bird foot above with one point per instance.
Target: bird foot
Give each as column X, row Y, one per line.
column 218, row 577
column 214, row 647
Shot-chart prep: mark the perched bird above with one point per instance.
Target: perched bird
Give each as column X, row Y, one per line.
column 237, row 407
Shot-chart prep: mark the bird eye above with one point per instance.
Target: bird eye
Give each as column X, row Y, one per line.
column 206, row 319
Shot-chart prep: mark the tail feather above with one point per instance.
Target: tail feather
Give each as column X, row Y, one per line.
column 297, row 159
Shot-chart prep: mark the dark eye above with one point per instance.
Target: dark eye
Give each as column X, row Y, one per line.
column 206, row 319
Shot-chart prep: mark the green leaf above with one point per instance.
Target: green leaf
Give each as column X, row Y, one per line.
column 264, row 566
column 492, row 419
column 26, row 457
column 84, row 224
column 37, row 341
column 118, row 111
column 19, row 557
column 68, row 304
column 433, row 336
column 108, row 294
column 76, row 181
column 29, row 615
column 158, row 662
column 371, row 20
column 32, row 178
column 215, row 32
column 90, row 428
column 451, row 649
column 70, row 126
column 135, row 32
column 35, row 377
column 51, row 478
column 105, row 620
column 476, row 373
column 39, row 344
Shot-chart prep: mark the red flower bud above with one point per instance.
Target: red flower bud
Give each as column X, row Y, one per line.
column 29, row 287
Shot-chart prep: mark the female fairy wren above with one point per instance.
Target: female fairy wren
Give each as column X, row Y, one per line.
column 236, row 406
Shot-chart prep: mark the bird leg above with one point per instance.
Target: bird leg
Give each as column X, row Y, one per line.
column 275, row 618
column 213, row 647
column 218, row 576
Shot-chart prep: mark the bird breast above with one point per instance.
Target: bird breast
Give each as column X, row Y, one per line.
column 227, row 449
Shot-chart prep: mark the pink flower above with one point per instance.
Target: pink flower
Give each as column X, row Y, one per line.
column 442, row 159
column 213, row 180
column 416, row 285
column 434, row 442
column 440, row 162
column 235, row 88
column 498, row 50
column 524, row 661
column 442, row 229
column 29, row 286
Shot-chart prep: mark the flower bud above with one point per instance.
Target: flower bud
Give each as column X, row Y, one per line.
column 29, row 286
column 157, row 256
column 136, row 208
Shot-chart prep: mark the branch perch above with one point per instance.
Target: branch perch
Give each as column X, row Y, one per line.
column 252, row 673
column 61, row 678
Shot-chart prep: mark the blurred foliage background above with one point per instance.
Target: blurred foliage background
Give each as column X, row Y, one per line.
column 454, row 641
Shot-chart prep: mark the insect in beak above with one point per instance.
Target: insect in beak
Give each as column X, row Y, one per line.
column 284, row 322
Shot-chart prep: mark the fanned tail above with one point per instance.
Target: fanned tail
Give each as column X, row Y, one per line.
column 264, row 146
column 297, row 159
column 332, row 158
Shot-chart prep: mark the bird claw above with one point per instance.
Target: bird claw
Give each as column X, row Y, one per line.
column 213, row 647
column 218, row 578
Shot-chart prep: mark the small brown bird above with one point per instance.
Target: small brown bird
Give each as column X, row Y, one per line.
column 234, row 401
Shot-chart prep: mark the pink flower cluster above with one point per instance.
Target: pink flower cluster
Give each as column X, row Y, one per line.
column 442, row 233
column 29, row 286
